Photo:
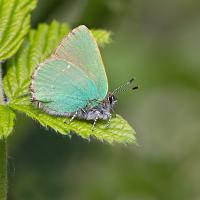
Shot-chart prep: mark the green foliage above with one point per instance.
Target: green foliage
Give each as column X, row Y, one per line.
column 7, row 117
column 37, row 46
column 14, row 25
column 102, row 37
column 3, row 169
column 119, row 130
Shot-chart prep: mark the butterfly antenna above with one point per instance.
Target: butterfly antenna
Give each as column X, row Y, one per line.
column 120, row 88
column 124, row 90
column 135, row 88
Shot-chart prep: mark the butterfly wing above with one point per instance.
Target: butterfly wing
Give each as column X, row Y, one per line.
column 62, row 87
column 80, row 48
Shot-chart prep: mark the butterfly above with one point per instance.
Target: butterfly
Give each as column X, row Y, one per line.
column 73, row 81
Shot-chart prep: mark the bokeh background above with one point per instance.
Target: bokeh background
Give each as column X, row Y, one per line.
column 158, row 42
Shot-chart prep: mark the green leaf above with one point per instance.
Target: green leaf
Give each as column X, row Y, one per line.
column 118, row 131
column 102, row 37
column 39, row 45
column 14, row 25
column 7, row 117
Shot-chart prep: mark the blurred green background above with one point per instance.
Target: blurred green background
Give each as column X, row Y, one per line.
column 158, row 42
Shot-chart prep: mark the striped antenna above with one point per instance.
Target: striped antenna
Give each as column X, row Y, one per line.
column 122, row 89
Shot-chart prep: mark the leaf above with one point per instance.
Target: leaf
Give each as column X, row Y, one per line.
column 102, row 37
column 7, row 117
column 118, row 131
column 36, row 47
column 14, row 25
column 39, row 45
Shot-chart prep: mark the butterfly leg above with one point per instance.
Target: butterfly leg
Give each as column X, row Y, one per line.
column 75, row 114
column 94, row 123
column 83, row 110
column 37, row 103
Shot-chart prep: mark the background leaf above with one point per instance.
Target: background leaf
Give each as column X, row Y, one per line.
column 7, row 117
column 39, row 45
column 102, row 37
column 14, row 25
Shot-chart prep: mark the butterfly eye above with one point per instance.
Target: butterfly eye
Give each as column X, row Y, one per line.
column 110, row 99
column 114, row 99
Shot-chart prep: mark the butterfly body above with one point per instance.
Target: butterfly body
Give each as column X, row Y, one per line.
column 103, row 110
column 73, row 82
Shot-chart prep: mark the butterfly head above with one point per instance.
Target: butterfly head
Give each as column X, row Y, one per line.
column 112, row 100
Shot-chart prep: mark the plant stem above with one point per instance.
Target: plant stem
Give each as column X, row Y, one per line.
column 3, row 169
column 1, row 86
column 3, row 151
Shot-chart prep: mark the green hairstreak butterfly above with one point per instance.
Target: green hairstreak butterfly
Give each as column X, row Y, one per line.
column 73, row 82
